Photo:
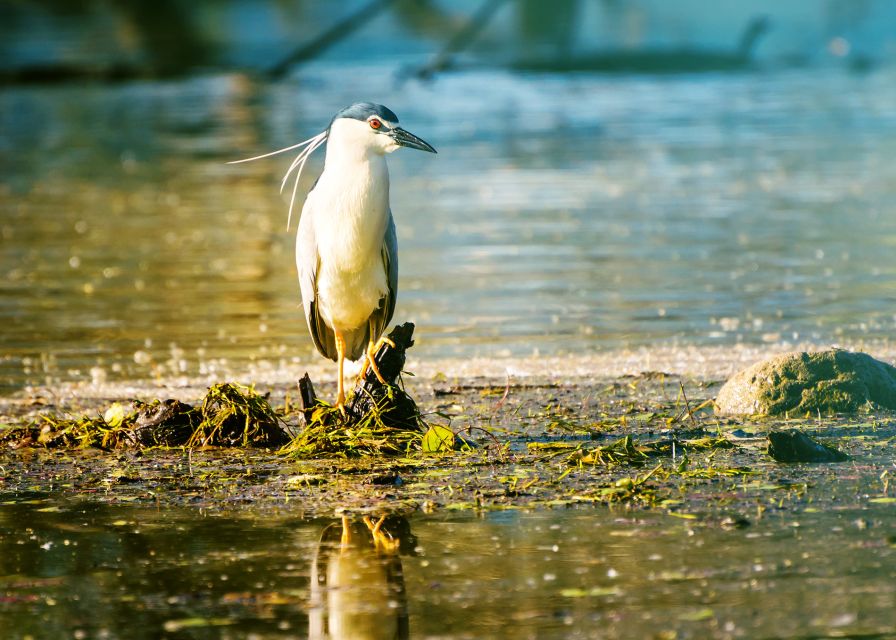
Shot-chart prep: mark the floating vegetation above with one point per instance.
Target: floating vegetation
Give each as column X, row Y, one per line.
column 361, row 460
column 56, row 432
column 627, row 452
column 623, row 451
column 439, row 439
column 231, row 415
column 234, row 415
column 635, row 489
column 706, row 443
column 712, row 473
column 329, row 432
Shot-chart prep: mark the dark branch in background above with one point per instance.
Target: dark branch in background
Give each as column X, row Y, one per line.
column 462, row 39
column 339, row 31
column 686, row 59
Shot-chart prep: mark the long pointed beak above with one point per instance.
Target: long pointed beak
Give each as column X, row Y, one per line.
column 407, row 139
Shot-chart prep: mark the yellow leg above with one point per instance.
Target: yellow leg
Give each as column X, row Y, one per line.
column 340, row 360
column 382, row 541
column 346, row 533
column 370, row 360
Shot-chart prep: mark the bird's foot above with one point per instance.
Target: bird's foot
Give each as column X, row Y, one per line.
column 382, row 541
column 340, row 404
column 370, row 359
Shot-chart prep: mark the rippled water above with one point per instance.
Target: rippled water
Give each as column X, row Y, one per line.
column 562, row 213
column 82, row 569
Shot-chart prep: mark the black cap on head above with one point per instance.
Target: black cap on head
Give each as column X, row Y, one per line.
column 363, row 110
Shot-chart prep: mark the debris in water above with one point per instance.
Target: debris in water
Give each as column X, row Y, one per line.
column 379, row 418
column 795, row 446
column 231, row 415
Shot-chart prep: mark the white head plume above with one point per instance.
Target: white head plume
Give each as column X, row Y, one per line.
column 311, row 144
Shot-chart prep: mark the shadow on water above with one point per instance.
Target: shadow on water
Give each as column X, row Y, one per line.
column 86, row 569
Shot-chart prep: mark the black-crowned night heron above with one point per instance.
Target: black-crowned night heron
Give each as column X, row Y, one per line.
column 346, row 249
column 357, row 581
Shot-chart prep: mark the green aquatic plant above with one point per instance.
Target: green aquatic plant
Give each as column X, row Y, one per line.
column 378, row 431
column 235, row 415
column 623, row 451
column 231, row 415
column 636, row 489
column 626, row 451
column 83, row 432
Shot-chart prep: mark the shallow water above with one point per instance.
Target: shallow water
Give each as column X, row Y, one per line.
column 684, row 214
column 562, row 213
column 88, row 570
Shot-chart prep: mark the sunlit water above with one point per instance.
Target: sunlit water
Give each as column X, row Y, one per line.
column 87, row 570
column 563, row 213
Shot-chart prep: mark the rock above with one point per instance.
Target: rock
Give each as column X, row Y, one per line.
column 832, row 381
column 795, row 446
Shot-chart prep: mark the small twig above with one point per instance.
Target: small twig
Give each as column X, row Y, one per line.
column 687, row 405
column 470, row 428
column 503, row 399
column 461, row 39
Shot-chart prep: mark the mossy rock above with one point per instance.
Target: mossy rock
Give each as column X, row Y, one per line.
column 832, row 381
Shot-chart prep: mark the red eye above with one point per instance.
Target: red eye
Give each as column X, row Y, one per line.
column 375, row 124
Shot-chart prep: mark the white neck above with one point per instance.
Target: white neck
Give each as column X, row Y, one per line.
column 351, row 205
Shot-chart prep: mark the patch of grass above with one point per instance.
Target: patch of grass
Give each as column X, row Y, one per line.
column 632, row 490
column 626, row 451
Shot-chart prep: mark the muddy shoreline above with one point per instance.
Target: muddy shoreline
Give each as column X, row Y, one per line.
column 535, row 438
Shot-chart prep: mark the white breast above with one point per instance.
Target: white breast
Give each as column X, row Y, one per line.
column 350, row 211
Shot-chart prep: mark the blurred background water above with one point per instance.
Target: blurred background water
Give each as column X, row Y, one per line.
column 610, row 174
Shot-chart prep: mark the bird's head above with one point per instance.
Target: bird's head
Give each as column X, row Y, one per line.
column 363, row 127
column 373, row 128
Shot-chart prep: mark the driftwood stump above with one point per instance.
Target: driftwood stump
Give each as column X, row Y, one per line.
column 393, row 407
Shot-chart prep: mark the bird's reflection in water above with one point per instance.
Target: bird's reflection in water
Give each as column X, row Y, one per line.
column 357, row 585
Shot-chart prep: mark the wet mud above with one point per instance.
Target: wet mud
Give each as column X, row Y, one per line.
column 634, row 442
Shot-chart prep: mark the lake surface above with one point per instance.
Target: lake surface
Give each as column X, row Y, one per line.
column 81, row 569
column 564, row 213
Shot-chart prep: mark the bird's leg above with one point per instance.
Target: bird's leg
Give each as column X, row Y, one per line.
column 382, row 541
column 340, row 359
column 346, row 533
column 370, row 359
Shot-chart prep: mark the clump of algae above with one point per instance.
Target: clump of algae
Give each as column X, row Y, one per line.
column 231, row 415
column 385, row 428
column 234, row 415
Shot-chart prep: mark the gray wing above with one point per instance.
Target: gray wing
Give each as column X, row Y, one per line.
column 308, row 264
column 356, row 341
column 383, row 314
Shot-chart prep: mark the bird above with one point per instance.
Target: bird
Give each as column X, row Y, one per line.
column 346, row 245
column 358, row 590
